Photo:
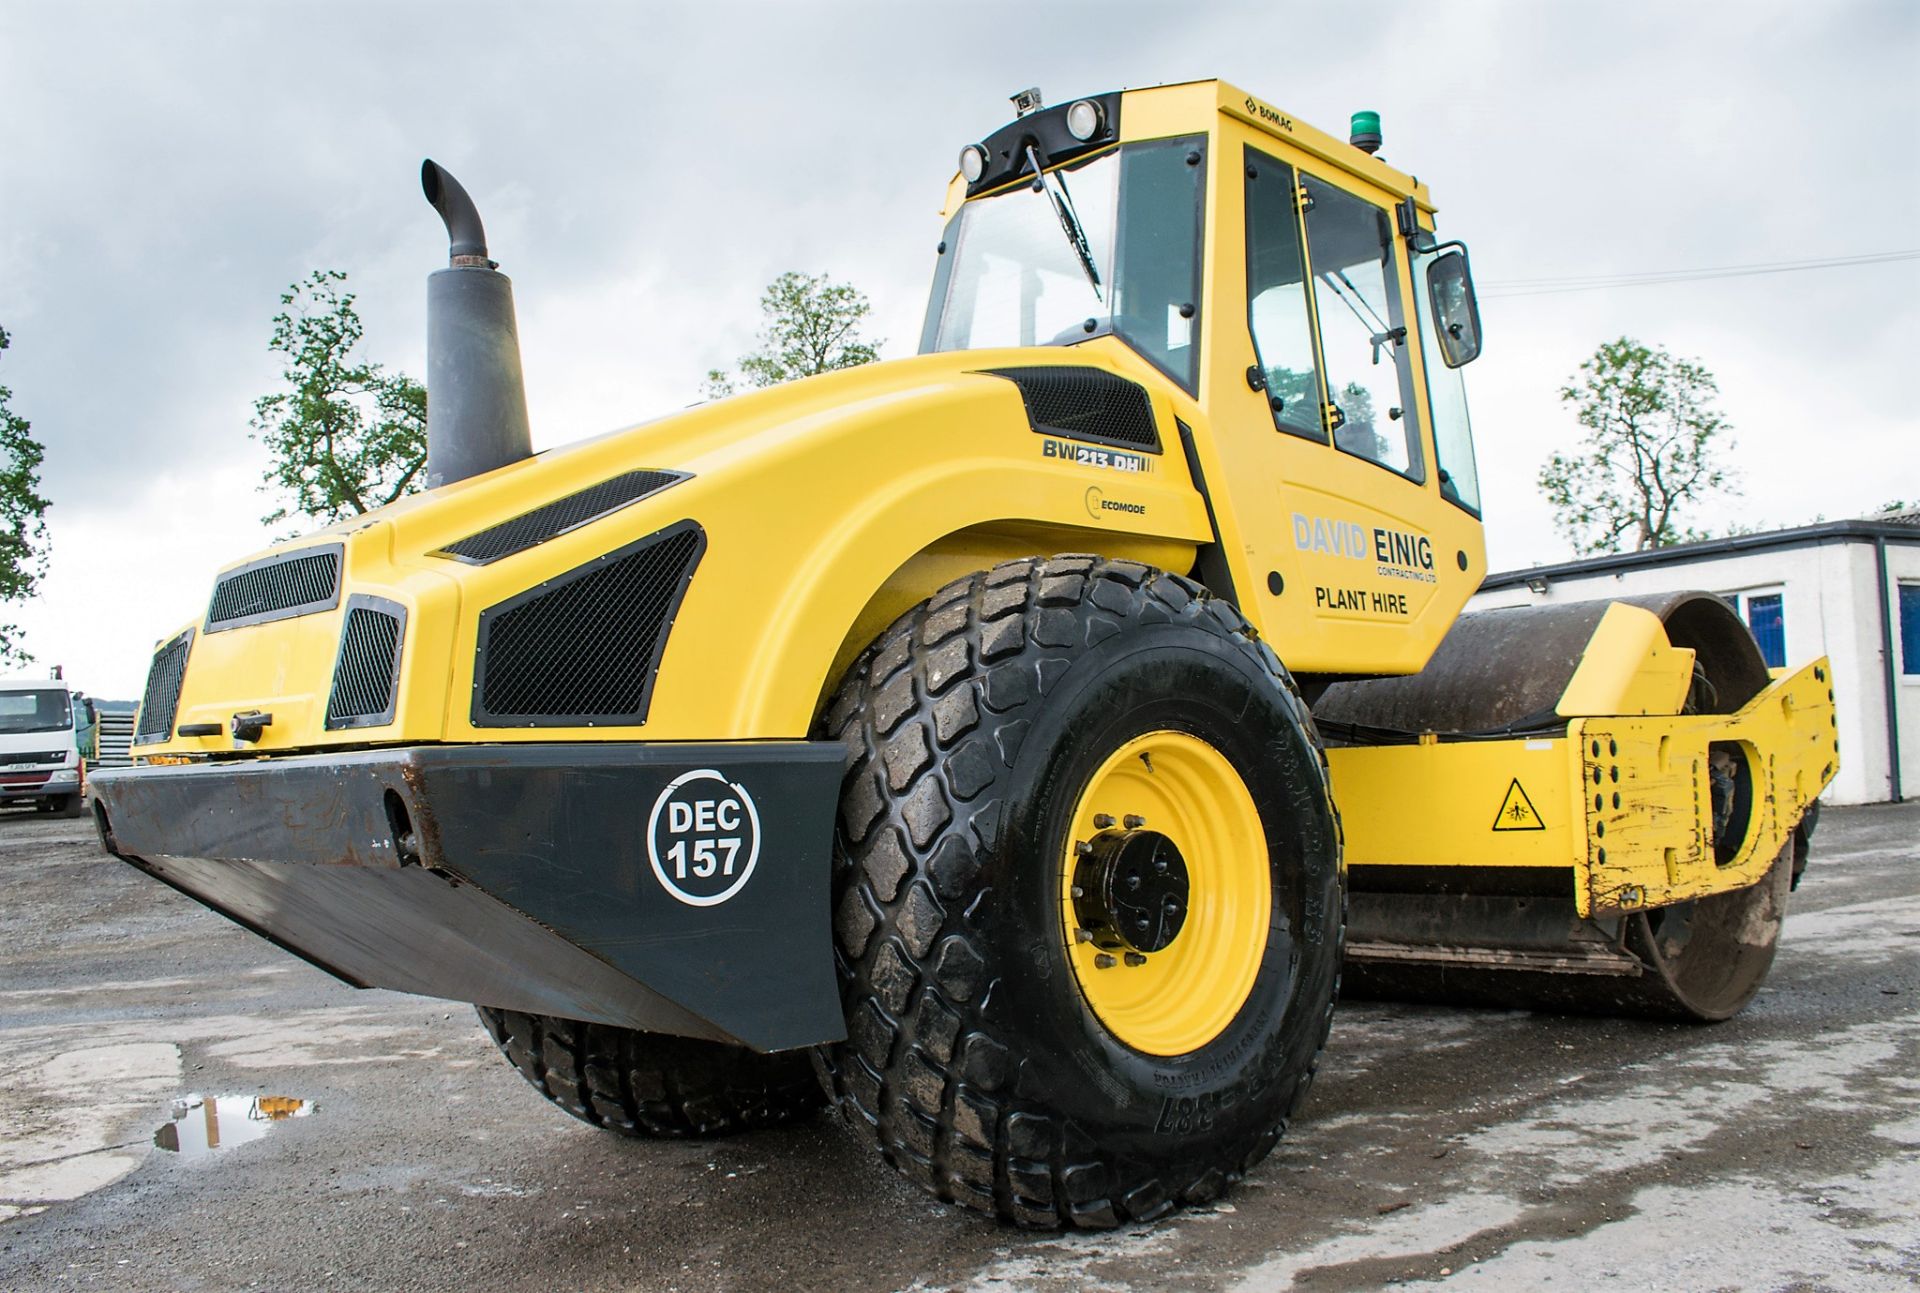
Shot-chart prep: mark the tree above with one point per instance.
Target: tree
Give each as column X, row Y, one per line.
column 808, row 326
column 347, row 436
column 1653, row 448
column 23, row 518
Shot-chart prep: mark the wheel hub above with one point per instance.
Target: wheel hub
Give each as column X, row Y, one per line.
column 1130, row 890
column 1200, row 880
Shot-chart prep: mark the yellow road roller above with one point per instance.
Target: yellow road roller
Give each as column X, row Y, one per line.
column 1008, row 745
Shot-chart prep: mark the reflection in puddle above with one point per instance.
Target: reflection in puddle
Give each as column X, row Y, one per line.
column 202, row 1124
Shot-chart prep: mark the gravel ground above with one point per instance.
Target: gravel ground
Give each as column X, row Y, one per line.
column 1479, row 1149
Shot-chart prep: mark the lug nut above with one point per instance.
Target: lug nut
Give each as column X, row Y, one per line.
column 1103, row 962
column 1083, row 936
column 1135, row 958
column 1101, row 821
column 1078, row 892
column 1081, row 848
column 1134, row 821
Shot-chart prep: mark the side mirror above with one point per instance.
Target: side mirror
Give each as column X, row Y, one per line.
column 1456, row 311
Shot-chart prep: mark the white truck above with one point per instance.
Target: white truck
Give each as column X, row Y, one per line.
column 42, row 748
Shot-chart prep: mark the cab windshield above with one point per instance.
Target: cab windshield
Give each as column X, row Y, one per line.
column 1011, row 274
column 40, row 710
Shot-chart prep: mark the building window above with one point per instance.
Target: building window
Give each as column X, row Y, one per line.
column 1910, row 630
column 1764, row 617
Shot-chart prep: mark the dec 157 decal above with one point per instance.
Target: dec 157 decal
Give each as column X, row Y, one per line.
column 703, row 838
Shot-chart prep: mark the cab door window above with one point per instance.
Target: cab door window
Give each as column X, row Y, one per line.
column 1277, row 309
column 1363, row 334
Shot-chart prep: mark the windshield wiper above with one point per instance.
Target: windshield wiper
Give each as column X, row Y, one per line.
column 1069, row 219
column 1386, row 336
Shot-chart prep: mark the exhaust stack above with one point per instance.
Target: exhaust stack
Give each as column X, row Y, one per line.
column 476, row 397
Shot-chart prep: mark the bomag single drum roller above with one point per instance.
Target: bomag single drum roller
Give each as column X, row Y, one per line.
column 1008, row 744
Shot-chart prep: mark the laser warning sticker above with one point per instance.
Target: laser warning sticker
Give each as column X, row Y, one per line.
column 1517, row 812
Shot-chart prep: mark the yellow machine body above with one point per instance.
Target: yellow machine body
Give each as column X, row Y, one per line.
column 831, row 505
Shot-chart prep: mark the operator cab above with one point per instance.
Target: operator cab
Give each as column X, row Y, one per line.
column 1291, row 287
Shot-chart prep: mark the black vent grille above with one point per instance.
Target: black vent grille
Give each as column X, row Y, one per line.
column 161, row 700
column 556, row 518
column 1086, row 404
column 368, row 668
column 276, row 589
column 584, row 647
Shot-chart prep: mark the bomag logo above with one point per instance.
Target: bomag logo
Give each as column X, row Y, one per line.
column 1099, row 506
column 1396, row 554
column 1262, row 112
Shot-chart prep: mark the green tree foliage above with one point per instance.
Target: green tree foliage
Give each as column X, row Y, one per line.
column 809, row 324
column 1654, row 446
column 23, row 518
column 346, row 436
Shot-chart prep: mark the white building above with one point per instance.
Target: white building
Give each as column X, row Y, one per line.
column 1848, row 590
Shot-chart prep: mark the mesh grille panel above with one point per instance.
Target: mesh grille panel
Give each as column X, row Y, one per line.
column 1085, row 404
column 278, row 588
column 556, row 518
column 586, row 647
column 364, row 675
column 161, row 700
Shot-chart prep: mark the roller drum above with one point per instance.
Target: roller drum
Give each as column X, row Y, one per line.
column 1511, row 937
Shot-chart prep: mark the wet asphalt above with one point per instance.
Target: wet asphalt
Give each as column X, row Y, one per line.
column 1475, row 1149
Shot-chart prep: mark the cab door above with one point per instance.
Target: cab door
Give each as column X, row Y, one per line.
column 1350, row 559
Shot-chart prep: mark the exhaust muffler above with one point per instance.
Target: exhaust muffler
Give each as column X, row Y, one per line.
column 476, row 396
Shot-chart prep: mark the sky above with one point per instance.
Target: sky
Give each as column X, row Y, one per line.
column 645, row 170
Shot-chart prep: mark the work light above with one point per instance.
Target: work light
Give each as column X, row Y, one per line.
column 1084, row 120
column 973, row 163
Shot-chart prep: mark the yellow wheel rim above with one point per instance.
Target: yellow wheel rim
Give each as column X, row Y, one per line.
column 1175, row 999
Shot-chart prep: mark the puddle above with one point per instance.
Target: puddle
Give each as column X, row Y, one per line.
column 203, row 1124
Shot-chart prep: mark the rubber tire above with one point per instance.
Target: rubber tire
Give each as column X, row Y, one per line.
column 972, row 1059
column 653, row 1085
column 72, row 806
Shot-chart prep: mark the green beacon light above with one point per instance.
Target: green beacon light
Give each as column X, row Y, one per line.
column 1365, row 134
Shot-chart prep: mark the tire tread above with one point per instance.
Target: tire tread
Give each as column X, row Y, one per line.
column 921, row 1073
column 650, row 1084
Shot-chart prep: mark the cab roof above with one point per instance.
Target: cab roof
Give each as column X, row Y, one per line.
column 1156, row 112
